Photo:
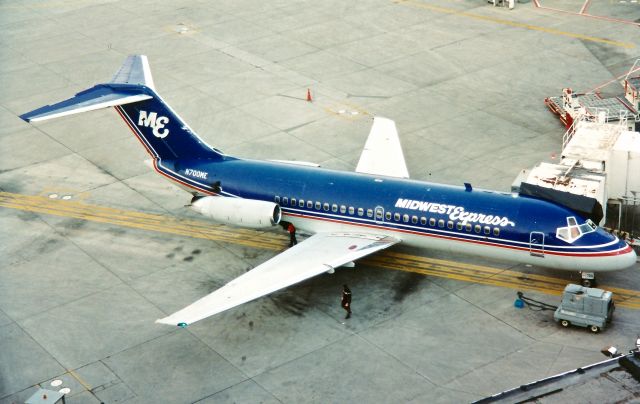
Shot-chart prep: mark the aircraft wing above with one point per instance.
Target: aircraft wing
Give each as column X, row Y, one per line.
column 382, row 154
column 317, row 254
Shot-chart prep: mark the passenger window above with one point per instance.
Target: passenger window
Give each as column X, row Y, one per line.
column 325, row 206
column 441, row 223
column 285, row 201
column 360, row 212
column 343, row 209
column 277, row 199
column 318, row 205
column 352, row 210
column 496, row 231
column 405, row 218
column 301, row 203
column 294, row 201
column 459, row 226
column 334, row 208
column 450, row 224
column 468, row 227
column 478, row 228
column 396, row 217
column 309, row 204
column 487, row 230
column 414, row 219
column 370, row 213
column 388, row 215
column 432, row 222
column 423, row 221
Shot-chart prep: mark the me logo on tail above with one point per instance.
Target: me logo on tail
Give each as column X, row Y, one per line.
column 156, row 122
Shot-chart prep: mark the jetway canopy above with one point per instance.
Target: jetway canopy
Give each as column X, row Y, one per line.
column 587, row 207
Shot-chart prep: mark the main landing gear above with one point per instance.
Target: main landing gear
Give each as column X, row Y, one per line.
column 588, row 279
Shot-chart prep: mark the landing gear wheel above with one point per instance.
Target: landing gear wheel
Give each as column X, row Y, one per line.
column 588, row 279
column 594, row 329
column 565, row 323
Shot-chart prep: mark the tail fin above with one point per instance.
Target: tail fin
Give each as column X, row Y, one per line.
column 131, row 91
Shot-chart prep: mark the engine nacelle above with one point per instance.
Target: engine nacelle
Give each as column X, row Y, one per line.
column 239, row 212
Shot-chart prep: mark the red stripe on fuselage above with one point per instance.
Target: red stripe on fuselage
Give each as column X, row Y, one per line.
column 424, row 234
column 486, row 243
column 155, row 161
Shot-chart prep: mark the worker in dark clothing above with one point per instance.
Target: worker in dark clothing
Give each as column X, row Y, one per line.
column 346, row 300
column 292, row 235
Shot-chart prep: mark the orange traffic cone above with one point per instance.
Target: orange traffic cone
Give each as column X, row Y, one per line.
column 309, row 95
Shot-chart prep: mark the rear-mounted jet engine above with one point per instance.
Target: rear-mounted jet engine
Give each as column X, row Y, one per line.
column 238, row 212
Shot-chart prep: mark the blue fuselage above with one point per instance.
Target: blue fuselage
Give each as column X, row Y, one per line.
column 489, row 223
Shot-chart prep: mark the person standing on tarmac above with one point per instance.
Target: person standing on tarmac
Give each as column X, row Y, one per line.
column 292, row 235
column 346, row 300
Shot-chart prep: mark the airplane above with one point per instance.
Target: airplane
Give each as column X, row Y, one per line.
column 348, row 215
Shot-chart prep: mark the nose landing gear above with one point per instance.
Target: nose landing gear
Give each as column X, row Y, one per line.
column 588, row 279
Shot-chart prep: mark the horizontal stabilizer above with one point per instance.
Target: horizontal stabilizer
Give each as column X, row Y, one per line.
column 100, row 96
column 127, row 86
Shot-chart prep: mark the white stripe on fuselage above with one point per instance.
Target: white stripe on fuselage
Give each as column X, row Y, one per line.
column 386, row 225
column 582, row 262
column 199, row 186
column 414, row 235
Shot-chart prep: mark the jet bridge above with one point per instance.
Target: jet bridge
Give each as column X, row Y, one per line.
column 585, row 206
column 599, row 160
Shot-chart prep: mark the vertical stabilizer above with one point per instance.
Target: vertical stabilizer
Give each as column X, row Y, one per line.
column 135, row 70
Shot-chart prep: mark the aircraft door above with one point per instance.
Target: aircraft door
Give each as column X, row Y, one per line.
column 378, row 214
column 536, row 244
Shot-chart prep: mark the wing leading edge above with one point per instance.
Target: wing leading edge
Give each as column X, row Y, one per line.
column 319, row 253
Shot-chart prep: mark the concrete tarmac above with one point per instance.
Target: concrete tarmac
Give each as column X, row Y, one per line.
column 464, row 82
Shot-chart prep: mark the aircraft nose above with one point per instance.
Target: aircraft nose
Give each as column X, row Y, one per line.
column 630, row 258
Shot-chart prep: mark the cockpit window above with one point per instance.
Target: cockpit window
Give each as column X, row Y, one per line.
column 574, row 231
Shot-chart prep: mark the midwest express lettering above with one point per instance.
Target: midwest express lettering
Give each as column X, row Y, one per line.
column 455, row 212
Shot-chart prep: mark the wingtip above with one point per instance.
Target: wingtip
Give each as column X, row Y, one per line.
column 168, row 322
column 30, row 116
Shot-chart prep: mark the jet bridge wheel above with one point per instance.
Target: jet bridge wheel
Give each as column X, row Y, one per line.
column 565, row 323
column 594, row 329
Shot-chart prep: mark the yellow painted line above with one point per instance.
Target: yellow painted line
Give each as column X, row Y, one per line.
column 416, row 4
column 386, row 259
column 80, row 380
column 139, row 220
column 488, row 276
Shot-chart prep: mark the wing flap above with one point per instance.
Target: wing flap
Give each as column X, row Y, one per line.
column 318, row 254
column 382, row 153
